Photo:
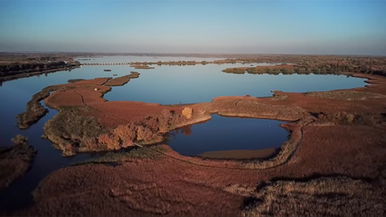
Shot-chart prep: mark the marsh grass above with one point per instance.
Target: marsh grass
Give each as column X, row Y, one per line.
column 148, row 152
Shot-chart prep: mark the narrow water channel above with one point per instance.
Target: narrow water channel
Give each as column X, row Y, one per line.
column 48, row 159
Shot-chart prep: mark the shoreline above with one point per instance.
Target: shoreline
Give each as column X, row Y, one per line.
column 30, row 74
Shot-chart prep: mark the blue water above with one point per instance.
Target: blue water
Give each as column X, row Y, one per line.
column 47, row 160
column 201, row 83
column 228, row 133
column 143, row 58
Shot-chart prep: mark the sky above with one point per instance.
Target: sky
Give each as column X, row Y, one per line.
column 354, row 27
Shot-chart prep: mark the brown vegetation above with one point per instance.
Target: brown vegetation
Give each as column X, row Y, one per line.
column 314, row 64
column 181, row 187
column 15, row 161
column 141, row 66
column 327, row 196
column 332, row 164
column 122, row 80
column 18, row 66
column 274, row 69
column 34, row 110
column 333, row 136
column 240, row 154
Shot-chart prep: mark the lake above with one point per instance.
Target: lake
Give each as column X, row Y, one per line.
column 201, row 83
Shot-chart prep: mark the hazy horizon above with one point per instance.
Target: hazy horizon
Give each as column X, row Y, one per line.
column 338, row 27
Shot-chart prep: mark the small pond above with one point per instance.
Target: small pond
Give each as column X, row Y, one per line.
column 226, row 137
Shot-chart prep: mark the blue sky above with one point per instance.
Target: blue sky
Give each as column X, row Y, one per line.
column 217, row 26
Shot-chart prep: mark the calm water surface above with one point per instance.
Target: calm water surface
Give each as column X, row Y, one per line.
column 201, row 83
column 228, row 133
column 143, row 58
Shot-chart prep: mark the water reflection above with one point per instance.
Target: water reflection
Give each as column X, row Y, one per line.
column 228, row 133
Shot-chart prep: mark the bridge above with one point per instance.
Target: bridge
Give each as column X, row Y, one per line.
column 107, row 64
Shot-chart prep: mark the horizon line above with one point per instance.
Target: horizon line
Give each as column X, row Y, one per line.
column 184, row 53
